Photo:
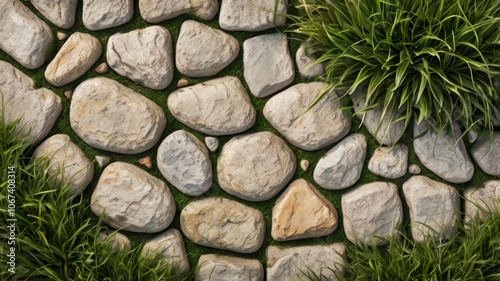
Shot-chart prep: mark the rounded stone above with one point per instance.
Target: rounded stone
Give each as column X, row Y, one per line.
column 389, row 162
column 212, row 143
column 98, row 15
column 60, row 12
column 414, row 169
column 236, row 15
column 169, row 247
column 486, row 153
column 118, row 241
column 227, row 268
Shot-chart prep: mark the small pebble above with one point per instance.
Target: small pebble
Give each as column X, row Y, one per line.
column 414, row 169
column 472, row 136
column 182, row 83
column 61, row 35
column 304, row 164
column 103, row 161
column 212, row 143
column 102, row 68
column 146, row 161
column 68, row 94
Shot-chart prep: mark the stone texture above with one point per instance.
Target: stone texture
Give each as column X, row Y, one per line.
column 184, row 161
column 302, row 212
column 102, row 161
column 222, row 106
column 312, row 129
column 305, row 58
column 432, row 204
column 75, row 57
column 227, row 268
column 304, row 164
column 59, row 12
column 256, row 166
column 291, row 263
column 267, row 65
column 481, row 201
column 414, row 169
column 144, row 56
column 155, row 11
column 342, row 165
column 389, row 162
column 98, row 15
column 255, row 15
column 170, row 246
column 146, row 161
column 37, row 109
column 102, row 68
column 486, row 153
column 118, row 241
column 212, row 143
column 110, row 116
column 372, row 213
column 182, row 83
column 223, row 224
column 61, row 36
column 203, row 51
column 18, row 23
column 131, row 199
column 439, row 153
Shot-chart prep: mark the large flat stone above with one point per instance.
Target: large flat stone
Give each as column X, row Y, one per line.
column 481, row 202
column 255, row 15
column 170, row 247
column 227, row 268
column 389, row 162
column 98, row 15
column 59, row 12
column 155, row 11
column 486, row 153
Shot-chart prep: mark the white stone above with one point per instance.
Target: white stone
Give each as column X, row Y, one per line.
column 256, row 166
column 434, row 208
column 414, row 169
column 112, row 117
column 486, row 152
column 212, row 143
column 118, row 241
column 305, row 59
column 227, row 268
column 75, row 57
column 222, row 106
column 223, row 224
column 98, row 15
column 481, row 202
column 304, row 164
column 312, row 129
column 60, row 12
column 170, row 246
column 144, row 56
column 182, row 83
column 372, row 213
column 389, row 162
column 155, row 11
column 61, row 36
column 127, row 197
column 36, row 109
column 203, row 51
column 25, row 37
column 66, row 162
column 342, row 165
column 103, row 161
column 255, row 15
column 267, row 65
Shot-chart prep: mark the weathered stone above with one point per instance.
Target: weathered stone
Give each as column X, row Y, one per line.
column 302, row 212
column 146, row 161
column 304, row 164
column 203, row 51
column 295, row 262
column 170, row 246
column 98, row 15
column 441, row 153
column 128, row 198
column 102, row 68
column 255, row 167
column 37, row 110
column 308, row 129
column 182, row 83
column 145, row 56
column 305, row 60
column 61, row 36
column 25, row 37
column 223, row 224
column 155, row 11
column 434, row 208
column 212, row 143
column 342, row 165
column 389, row 162
column 372, row 213
column 267, row 64
column 257, row 15
column 68, row 94
column 486, row 153
column 184, row 161
column 481, row 202
column 118, row 241
column 66, row 162
column 110, row 116
column 75, row 57
column 227, row 268
column 414, row 169
column 222, row 106
column 59, row 12
column 102, row 161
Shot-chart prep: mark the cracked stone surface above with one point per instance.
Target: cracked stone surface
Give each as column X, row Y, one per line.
column 227, row 268
column 486, row 153
column 255, row 15
column 170, row 246
column 60, row 12
column 98, row 15
column 155, row 11
column 389, row 162
column 481, row 201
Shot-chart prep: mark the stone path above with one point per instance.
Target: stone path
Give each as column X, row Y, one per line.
column 250, row 166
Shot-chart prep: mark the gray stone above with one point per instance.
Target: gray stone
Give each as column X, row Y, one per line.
column 311, row 129
column 203, row 51
column 267, row 65
column 434, row 208
column 75, row 57
column 257, row 15
column 127, row 197
column 256, row 166
column 372, row 213
column 144, row 56
column 414, row 169
column 486, row 153
column 212, row 143
column 294, row 262
column 170, row 246
column 59, row 12
column 305, row 59
column 481, row 202
column 103, row 161
column 25, row 37
column 112, row 117
column 155, row 11
column 227, row 268
column 118, row 241
column 36, row 109
column 389, row 162
column 66, row 162
column 184, row 161
column 304, row 164
column 342, row 165
column 223, row 224
column 98, row 15
column 472, row 136
column 441, row 153
column 222, row 106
